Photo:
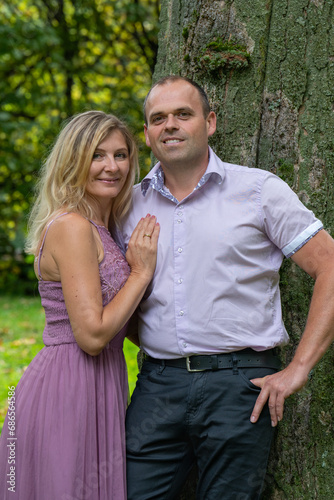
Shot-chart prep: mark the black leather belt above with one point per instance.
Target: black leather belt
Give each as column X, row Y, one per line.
column 247, row 358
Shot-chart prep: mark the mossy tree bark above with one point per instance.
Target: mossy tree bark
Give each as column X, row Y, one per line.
column 268, row 68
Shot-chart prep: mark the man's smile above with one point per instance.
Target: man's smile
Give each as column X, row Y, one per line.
column 172, row 141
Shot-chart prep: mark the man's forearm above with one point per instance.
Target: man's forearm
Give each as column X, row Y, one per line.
column 319, row 330
column 316, row 257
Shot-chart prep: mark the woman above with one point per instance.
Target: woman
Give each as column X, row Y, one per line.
column 67, row 434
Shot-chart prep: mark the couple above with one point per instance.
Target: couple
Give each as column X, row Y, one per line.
column 206, row 305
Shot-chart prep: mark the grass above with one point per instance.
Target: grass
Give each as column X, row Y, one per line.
column 21, row 328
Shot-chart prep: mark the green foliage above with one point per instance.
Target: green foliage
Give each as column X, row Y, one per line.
column 59, row 58
column 22, row 322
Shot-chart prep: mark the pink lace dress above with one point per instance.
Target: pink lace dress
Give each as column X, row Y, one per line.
column 70, row 407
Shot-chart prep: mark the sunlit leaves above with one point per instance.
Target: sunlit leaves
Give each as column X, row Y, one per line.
column 58, row 59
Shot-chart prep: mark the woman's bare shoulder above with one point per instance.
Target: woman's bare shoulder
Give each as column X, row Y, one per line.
column 70, row 229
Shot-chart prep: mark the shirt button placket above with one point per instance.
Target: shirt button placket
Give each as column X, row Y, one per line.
column 180, row 255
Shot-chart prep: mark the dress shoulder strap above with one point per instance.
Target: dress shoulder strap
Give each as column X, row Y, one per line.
column 42, row 244
column 94, row 223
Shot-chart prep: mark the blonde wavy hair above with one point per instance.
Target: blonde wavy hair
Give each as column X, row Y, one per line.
column 62, row 183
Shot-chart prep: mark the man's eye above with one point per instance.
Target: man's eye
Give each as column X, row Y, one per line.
column 157, row 119
column 183, row 114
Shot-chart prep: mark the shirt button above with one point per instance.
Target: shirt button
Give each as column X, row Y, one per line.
column 179, row 250
column 180, row 213
column 179, row 221
column 180, row 280
column 181, row 313
column 184, row 344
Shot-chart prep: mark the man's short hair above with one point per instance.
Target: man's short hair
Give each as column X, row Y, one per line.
column 174, row 78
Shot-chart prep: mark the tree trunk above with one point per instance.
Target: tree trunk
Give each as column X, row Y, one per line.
column 268, row 69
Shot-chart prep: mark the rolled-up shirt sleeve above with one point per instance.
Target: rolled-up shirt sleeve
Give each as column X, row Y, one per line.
column 288, row 223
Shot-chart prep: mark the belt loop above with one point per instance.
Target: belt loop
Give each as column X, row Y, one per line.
column 234, row 363
column 214, row 365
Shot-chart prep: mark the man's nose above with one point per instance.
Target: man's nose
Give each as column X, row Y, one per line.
column 171, row 122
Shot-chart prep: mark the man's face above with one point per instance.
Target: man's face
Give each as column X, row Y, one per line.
column 177, row 130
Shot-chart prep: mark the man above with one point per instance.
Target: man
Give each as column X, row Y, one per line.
column 210, row 390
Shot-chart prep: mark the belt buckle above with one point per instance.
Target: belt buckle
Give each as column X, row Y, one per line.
column 191, row 370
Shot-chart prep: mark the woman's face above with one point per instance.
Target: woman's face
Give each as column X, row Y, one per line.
column 109, row 168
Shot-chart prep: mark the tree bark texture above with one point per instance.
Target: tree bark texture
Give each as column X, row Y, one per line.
column 268, row 69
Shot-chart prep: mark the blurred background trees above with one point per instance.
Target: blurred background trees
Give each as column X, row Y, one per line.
column 59, row 58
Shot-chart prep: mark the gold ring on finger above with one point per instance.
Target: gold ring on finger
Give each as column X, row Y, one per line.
column 148, row 235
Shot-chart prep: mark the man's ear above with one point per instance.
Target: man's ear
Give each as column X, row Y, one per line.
column 146, row 136
column 211, row 123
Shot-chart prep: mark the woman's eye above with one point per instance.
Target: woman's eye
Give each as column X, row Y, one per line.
column 97, row 156
column 121, row 156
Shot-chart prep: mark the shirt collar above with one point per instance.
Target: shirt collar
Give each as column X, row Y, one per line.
column 156, row 177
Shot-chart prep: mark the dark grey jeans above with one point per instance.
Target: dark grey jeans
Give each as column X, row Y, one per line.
column 177, row 418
